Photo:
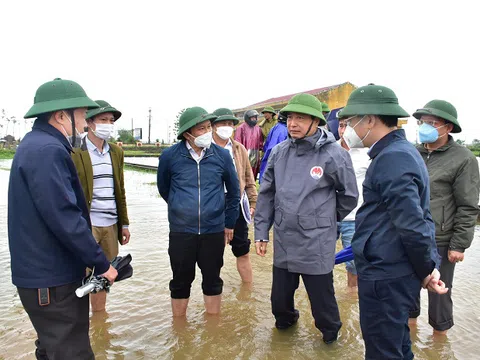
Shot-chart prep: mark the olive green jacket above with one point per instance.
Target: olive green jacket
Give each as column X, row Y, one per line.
column 454, row 190
column 83, row 163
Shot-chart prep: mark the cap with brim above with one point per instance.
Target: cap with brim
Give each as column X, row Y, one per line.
column 441, row 109
column 269, row 109
column 305, row 104
column 192, row 117
column 225, row 114
column 373, row 100
column 105, row 107
column 59, row 95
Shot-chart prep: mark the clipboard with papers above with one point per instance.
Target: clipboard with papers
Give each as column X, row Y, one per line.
column 245, row 206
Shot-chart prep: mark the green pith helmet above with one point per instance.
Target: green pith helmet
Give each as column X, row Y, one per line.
column 372, row 100
column 105, row 107
column 305, row 104
column 223, row 115
column 269, row 109
column 191, row 117
column 325, row 107
column 442, row 109
column 59, row 95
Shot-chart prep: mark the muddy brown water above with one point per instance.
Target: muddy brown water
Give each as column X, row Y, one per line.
column 138, row 322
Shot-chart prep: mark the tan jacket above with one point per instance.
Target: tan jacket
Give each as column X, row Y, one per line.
column 245, row 173
column 83, row 163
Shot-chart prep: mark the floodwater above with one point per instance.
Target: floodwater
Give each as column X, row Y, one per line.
column 138, row 322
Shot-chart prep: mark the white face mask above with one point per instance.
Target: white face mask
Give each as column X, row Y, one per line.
column 103, row 131
column 225, row 132
column 352, row 139
column 204, row 141
column 78, row 135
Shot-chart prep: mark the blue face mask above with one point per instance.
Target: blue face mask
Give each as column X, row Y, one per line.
column 428, row 134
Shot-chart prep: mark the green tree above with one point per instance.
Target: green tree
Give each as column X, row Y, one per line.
column 126, row 136
column 461, row 142
column 176, row 124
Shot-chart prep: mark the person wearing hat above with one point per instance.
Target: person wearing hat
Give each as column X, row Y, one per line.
column 325, row 110
column 100, row 169
column 192, row 177
column 49, row 229
column 346, row 228
column 223, row 127
column 278, row 134
column 393, row 244
column 454, row 184
column 308, row 185
column 250, row 135
column 269, row 121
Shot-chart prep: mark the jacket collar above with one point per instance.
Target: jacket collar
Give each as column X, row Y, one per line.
column 445, row 147
column 185, row 152
column 386, row 141
column 46, row 127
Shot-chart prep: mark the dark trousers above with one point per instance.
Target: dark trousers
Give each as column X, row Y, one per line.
column 186, row 250
column 240, row 243
column 440, row 307
column 384, row 308
column 62, row 326
column 322, row 300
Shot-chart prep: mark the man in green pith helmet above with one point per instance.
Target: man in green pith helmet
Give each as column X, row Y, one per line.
column 454, row 184
column 49, row 229
column 393, row 244
column 325, row 110
column 269, row 122
column 223, row 127
column 308, row 185
column 192, row 177
column 100, row 169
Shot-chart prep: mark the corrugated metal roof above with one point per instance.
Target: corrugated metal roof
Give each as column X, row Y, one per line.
column 288, row 97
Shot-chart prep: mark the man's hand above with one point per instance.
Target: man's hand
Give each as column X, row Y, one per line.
column 125, row 236
column 111, row 274
column 455, row 256
column 252, row 212
column 433, row 283
column 261, row 247
column 228, row 236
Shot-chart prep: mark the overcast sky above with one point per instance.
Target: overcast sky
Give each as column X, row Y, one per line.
column 169, row 55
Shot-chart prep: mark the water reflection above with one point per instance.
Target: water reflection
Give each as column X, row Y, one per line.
column 138, row 322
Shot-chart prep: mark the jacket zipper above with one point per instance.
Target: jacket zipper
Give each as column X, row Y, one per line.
column 198, row 172
column 443, row 218
column 199, row 191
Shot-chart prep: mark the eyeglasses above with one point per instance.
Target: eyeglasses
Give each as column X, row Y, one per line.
column 430, row 122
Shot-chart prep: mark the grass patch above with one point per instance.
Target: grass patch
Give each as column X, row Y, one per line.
column 148, row 171
column 130, row 153
column 6, row 154
column 153, row 183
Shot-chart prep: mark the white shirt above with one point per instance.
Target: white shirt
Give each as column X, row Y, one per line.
column 194, row 154
column 229, row 147
column 103, row 211
column 360, row 161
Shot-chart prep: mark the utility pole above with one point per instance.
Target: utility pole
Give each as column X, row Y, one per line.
column 149, row 122
column 132, row 128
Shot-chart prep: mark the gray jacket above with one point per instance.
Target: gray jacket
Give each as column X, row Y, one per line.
column 454, row 189
column 307, row 187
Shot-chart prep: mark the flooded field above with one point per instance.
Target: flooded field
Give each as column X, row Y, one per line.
column 138, row 322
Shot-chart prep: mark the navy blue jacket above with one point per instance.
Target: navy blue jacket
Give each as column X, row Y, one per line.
column 394, row 232
column 49, row 232
column 278, row 134
column 195, row 192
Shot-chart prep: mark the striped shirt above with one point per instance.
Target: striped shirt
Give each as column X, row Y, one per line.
column 103, row 210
